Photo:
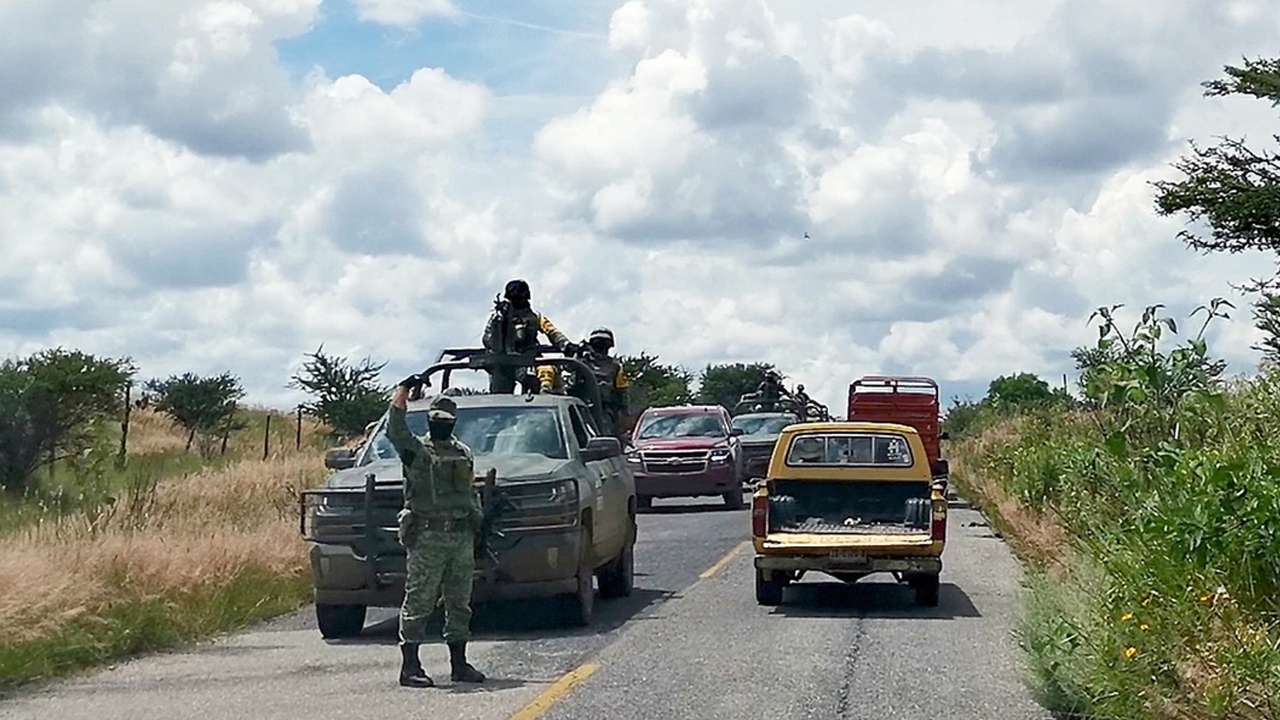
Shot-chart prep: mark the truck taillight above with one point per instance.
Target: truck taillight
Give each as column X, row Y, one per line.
column 759, row 516
column 938, row 528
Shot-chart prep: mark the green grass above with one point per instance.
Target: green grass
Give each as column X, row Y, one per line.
column 1167, row 601
column 137, row 625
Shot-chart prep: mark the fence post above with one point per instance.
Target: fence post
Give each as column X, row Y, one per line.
column 266, row 438
column 122, row 456
column 298, row 441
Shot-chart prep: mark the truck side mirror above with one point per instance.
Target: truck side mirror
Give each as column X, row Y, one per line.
column 736, row 432
column 340, row 458
column 940, row 468
column 599, row 448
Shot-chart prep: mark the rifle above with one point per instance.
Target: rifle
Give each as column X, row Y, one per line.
column 494, row 505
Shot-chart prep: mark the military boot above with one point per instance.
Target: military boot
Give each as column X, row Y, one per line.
column 461, row 669
column 411, row 672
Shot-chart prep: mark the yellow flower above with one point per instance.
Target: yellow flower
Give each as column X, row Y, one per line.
column 1127, row 617
column 1205, row 598
column 1131, row 652
column 1144, row 627
column 1146, row 601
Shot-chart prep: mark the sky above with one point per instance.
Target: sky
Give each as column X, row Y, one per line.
column 837, row 187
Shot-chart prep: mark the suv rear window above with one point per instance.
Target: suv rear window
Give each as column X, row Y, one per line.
column 850, row 449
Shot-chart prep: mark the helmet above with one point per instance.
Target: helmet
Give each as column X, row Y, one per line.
column 516, row 290
column 601, row 335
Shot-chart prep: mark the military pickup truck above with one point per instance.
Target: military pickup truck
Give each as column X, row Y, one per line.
column 760, row 433
column 561, row 505
column 849, row 499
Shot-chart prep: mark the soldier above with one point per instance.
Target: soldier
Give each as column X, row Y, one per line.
column 513, row 329
column 802, row 402
column 770, row 389
column 611, row 378
column 438, row 527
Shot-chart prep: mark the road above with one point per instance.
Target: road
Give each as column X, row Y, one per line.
column 690, row 643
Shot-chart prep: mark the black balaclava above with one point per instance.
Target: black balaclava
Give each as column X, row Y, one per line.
column 440, row 429
column 517, row 291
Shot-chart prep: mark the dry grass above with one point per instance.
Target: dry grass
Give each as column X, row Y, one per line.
column 185, row 556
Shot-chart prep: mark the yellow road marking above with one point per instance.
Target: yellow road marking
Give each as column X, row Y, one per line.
column 558, row 689
column 711, row 571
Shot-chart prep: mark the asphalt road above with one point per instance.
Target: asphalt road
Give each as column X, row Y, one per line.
column 689, row 643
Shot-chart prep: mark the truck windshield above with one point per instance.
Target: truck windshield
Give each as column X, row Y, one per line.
column 757, row 425
column 850, row 450
column 681, row 425
column 491, row 431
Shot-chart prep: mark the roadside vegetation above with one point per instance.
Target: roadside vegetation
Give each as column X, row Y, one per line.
column 1148, row 508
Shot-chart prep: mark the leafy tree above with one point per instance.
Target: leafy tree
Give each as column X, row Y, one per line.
column 654, row 384
column 1266, row 316
column 1235, row 191
column 725, row 384
column 347, row 396
column 50, row 404
column 964, row 417
column 1024, row 391
column 204, row 406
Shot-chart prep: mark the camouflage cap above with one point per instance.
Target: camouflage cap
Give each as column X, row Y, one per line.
column 443, row 408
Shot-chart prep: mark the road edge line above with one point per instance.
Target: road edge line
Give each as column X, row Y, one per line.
column 722, row 562
column 558, row 689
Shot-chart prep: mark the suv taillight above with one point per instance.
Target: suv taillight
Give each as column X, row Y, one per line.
column 759, row 516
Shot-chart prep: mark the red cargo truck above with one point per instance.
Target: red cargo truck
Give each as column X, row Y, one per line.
column 911, row 401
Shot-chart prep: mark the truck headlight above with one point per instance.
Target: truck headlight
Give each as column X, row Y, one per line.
column 720, row 456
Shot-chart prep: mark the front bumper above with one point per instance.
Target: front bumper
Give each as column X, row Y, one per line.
column 537, row 563
column 863, row 564
column 715, row 480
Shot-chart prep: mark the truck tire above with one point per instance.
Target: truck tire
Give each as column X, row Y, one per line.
column 927, row 591
column 340, row 621
column 768, row 591
column 733, row 498
column 617, row 580
column 577, row 609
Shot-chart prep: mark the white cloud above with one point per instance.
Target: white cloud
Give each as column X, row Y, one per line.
column 403, row 13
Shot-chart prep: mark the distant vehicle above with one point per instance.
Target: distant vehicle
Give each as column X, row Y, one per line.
column 849, row 499
column 907, row 400
column 686, row 451
column 759, row 433
column 562, row 504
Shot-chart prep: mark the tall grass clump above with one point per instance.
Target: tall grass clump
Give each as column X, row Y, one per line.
column 163, row 558
column 1151, row 517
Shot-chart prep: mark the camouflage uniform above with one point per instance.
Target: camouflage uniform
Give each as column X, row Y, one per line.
column 519, row 338
column 438, row 527
column 614, row 387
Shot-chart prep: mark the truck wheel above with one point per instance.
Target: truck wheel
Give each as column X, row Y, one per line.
column 733, row 498
column 618, row 579
column 927, row 591
column 768, row 591
column 577, row 609
column 340, row 621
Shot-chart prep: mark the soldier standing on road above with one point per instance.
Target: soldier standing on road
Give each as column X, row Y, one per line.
column 438, row 527
column 611, row 378
column 513, row 329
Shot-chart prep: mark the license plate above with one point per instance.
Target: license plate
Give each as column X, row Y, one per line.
column 851, row 555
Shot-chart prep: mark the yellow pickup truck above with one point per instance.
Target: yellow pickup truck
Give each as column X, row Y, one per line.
column 849, row 499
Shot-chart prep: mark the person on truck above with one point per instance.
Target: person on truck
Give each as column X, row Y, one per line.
column 513, row 329
column 612, row 379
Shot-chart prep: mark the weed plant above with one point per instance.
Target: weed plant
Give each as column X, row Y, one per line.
column 1157, row 592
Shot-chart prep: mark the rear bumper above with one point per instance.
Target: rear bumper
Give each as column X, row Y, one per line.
column 539, row 564
column 713, row 481
column 864, row 564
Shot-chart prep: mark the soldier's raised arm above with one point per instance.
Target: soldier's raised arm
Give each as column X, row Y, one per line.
column 548, row 328
column 402, row 439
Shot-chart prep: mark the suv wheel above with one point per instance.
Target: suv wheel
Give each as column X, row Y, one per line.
column 340, row 621
column 927, row 591
column 768, row 589
column 618, row 579
column 733, row 498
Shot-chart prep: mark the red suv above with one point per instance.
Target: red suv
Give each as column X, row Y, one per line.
column 686, row 451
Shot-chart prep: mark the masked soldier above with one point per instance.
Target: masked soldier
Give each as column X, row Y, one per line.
column 437, row 527
column 611, row 378
column 513, row 329
column 802, row 403
column 770, row 390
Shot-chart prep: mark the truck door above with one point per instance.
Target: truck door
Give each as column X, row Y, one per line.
column 606, row 481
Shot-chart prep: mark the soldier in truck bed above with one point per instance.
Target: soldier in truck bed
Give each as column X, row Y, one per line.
column 513, row 329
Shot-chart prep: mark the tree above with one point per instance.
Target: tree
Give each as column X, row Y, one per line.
column 725, row 384
column 204, row 406
column 1235, row 191
column 1023, row 391
column 654, row 384
column 50, row 404
column 347, row 396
